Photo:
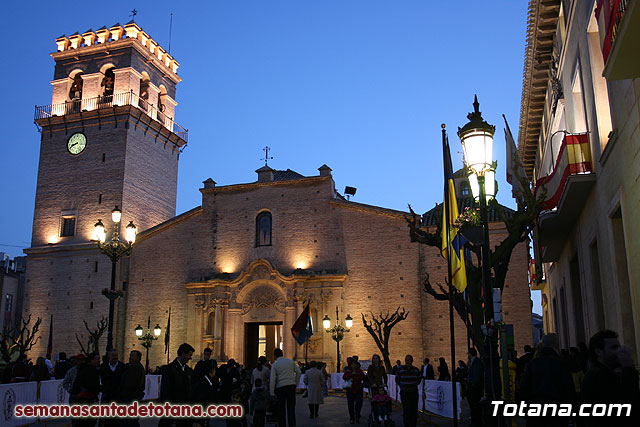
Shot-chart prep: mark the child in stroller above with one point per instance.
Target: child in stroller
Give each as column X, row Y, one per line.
column 381, row 405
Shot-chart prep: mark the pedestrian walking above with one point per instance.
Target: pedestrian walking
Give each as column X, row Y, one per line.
column 86, row 387
column 259, row 403
column 611, row 379
column 111, row 376
column 314, row 378
column 377, row 375
column 460, row 376
column 176, row 385
column 475, row 386
column 206, row 389
column 62, row 367
column 132, row 385
column 547, row 379
column 285, row 376
column 261, row 372
column 408, row 380
column 202, row 366
column 354, row 390
column 443, row 371
column 427, row 370
column 40, row 371
column 396, row 368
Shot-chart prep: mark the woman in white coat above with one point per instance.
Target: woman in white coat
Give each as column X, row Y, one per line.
column 314, row 379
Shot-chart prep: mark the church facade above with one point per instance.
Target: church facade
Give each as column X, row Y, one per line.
column 234, row 272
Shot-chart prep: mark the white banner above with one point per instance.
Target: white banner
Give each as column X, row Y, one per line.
column 301, row 383
column 438, row 398
column 337, row 383
column 12, row 395
column 152, row 387
column 52, row 393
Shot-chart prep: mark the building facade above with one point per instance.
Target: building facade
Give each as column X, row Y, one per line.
column 580, row 145
column 234, row 272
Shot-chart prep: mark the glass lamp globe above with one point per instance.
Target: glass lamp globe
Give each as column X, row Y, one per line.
column 156, row 330
column 131, row 233
column 139, row 331
column 477, row 141
column 348, row 321
column 326, row 322
column 116, row 215
column 98, row 232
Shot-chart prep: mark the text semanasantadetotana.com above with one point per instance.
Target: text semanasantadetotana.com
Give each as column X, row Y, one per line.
column 133, row 410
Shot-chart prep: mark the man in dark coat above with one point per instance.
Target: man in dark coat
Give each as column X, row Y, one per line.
column 201, row 367
column 87, row 386
column 62, row 367
column 611, row 379
column 475, row 386
column 111, row 374
column 132, row 385
column 547, row 379
column 427, row 370
column 176, row 386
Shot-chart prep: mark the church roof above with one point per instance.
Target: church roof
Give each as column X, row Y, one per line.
column 433, row 217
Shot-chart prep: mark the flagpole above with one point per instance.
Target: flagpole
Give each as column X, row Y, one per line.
column 447, row 210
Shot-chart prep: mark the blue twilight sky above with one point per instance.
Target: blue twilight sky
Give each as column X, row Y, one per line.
column 361, row 85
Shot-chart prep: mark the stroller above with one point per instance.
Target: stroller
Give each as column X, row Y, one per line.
column 381, row 406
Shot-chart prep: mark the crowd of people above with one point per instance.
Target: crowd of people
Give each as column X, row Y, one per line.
column 602, row 372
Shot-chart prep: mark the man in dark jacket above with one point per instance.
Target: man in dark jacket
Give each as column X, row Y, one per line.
column 87, row 386
column 611, row 379
column 408, row 379
column 547, row 379
column 427, row 370
column 475, row 386
column 132, row 385
column 62, row 367
column 176, row 386
column 202, row 366
column 111, row 374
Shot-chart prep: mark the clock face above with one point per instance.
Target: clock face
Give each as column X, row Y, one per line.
column 77, row 143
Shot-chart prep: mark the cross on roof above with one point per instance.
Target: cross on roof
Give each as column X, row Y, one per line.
column 133, row 14
column 266, row 155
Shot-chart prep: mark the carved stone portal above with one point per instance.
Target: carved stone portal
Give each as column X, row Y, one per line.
column 264, row 302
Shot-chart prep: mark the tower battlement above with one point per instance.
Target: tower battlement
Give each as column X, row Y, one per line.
column 112, row 37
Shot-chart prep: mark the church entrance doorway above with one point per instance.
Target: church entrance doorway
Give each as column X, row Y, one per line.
column 260, row 339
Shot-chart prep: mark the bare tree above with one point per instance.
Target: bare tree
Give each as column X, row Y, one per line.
column 519, row 225
column 379, row 327
column 93, row 341
column 18, row 340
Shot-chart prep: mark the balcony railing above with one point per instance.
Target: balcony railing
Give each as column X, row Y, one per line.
column 574, row 157
column 609, row 15
column 111, row 101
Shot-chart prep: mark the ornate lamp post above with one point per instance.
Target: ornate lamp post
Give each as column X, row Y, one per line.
column 148, row 338
column 477, row 143
column 337, row 332
column 114, row 249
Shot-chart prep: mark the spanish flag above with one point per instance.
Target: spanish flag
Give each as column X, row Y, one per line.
column 452, row 241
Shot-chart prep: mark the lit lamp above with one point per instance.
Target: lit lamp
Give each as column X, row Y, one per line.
column 477, row 144
column 114, row 249
column 148, row 338
column 337, row 332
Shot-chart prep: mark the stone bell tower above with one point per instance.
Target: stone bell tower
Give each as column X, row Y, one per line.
column 109, row 138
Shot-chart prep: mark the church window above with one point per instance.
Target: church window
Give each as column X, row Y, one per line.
column 68, row 226
column 75, row 94
column 143, row 99
column 8, row 309
column 464, row 189
column 263, row 229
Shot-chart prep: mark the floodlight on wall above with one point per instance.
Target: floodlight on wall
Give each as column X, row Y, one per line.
column 350, row 191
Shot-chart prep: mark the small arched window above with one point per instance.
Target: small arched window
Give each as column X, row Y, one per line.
column 464, row 189
column 263, row 229
column 143, row 100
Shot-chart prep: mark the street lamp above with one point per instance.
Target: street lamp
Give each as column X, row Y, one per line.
column 337, row 332
column 148, row 338
column 114, row 249
column 477, row 144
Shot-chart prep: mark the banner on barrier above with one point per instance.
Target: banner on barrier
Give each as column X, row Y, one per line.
column 152, row 387
column 52, row 393
column 12, row 395
column 438, row 398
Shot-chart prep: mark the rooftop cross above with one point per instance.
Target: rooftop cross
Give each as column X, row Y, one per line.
column 266, row 155
column 133, row 14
